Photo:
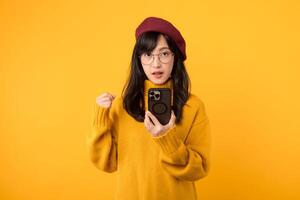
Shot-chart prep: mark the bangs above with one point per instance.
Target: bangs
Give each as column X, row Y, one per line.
column 147, row 42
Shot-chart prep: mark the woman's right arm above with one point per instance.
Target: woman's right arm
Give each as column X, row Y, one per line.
column 102, row 140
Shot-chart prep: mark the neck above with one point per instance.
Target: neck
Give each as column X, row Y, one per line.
column 148, row 84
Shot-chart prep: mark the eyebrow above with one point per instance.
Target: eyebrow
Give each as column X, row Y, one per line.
column 163, row 48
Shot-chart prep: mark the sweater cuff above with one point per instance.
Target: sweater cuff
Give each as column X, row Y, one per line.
column 168, row 142
column 101, row 117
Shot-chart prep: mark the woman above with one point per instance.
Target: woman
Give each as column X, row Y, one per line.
column 153, row 161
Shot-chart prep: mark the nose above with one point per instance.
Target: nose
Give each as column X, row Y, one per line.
column 156, row 62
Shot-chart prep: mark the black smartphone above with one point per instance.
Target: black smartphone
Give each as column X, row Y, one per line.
column 159, row 104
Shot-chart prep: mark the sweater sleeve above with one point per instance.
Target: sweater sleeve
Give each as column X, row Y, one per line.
column 187, row 160
column 102, row 140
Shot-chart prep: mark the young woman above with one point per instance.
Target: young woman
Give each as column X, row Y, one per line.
column 153, row 161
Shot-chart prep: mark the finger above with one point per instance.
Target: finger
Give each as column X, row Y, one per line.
column 148, row 125
column 108, row 97
column 100, row 98
column 103, row 94
column 150, row 121
column 173, row 116
column 112, row 97
column 154, row 119
column 106, row 94
column 172, row 119
column 104, row 99
column 147, row 122
column 104, row 104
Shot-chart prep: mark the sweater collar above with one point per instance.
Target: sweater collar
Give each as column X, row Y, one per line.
column 148, row 84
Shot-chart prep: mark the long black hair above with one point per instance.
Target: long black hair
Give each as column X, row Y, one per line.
column 133, row 91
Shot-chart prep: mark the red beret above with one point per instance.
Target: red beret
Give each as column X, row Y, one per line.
column 163, row 26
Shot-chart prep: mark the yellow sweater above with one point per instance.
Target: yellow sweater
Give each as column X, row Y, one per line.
column 151, row 168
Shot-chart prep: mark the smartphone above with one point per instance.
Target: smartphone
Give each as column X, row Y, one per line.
column 159, row 104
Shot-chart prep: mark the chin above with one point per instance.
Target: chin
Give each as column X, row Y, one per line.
column 158, row 81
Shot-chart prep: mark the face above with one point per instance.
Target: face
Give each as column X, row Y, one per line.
column 159, row 72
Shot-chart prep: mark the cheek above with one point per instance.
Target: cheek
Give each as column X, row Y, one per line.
column 146, row 70
column 169, row 68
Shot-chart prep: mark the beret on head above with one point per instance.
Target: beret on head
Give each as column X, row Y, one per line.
column 162, row 26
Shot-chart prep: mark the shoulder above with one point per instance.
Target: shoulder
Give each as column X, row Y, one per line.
column 195, row 101
column 196, row 104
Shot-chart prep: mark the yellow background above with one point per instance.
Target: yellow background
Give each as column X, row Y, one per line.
column 57, row 56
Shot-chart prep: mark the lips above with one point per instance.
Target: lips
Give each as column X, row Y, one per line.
column 157, row 74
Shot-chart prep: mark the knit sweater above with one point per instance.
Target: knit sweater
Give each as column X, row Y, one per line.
column 151, row 168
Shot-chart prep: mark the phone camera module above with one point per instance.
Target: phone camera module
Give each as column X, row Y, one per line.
column 154, row 95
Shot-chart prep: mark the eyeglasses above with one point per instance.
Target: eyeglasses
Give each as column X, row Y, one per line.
column 164, row 57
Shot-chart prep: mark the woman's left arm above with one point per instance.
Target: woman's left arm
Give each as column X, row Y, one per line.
column 189, row 160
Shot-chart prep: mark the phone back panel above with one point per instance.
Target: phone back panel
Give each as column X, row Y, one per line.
column 159, row 104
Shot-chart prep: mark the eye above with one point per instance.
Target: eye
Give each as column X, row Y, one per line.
column 147, row 54
column 166, row 53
